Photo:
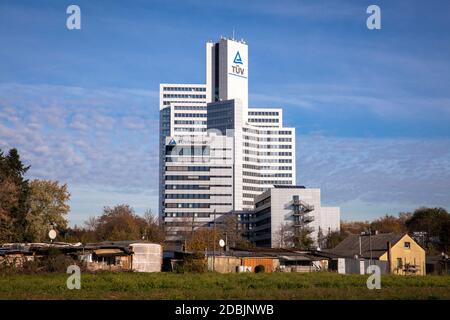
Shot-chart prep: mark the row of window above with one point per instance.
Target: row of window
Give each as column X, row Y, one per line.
column 195, row 196
column 168, row 102
column 194, row 177
column 179, row 224
column 190, row 115
column 268, row 139
column 184, row 89
column 250, row 188
column 195, row 205
column 187, row 196
column 245, row 216
column 187, row 151
column 187, row 214
column 262, row 202
column 195, row 186
column 187, row 168
column 267, row 146
column 190, row 122
column 190, row 129
column 184, row 96
column 186, row 187
column 268, row 132
column 203, row 159
column 263, row 120
column 262, row 222
column 264, row 153
column 262, row 113
column 190, row 108
column 272, row 182
column 267, row 175
column 254, row 167
column 267, row 160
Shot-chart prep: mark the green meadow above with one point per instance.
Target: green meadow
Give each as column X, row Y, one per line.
column 106, row 285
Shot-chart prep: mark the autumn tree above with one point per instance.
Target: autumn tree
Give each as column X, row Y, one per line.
column 78, row 234
column 388, row 224
column 226, row 227
column 333, row 238
column 301, row 238
column 354, row 227
column 153, row 230
column 433, row 222
column 120, row 223
column 203, row 238
column 47, row 206
column 229, row 227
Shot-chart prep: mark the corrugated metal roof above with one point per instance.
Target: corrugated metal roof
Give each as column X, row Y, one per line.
column 295, row 258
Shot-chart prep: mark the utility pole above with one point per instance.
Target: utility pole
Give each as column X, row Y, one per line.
column 192, row 231
column 360, row 248
column 370, row 245
column 214, row 245
column 226, row 242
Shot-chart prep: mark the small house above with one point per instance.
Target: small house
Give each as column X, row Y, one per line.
column 400, row 253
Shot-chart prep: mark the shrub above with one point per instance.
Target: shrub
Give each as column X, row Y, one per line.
column 54, row 261
column 194, row 263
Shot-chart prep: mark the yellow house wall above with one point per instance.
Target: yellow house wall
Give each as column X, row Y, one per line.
column 414, row 255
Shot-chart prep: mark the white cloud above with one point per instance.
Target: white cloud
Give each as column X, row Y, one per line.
column 117, row 149
column 412, row 172
column 83, row 136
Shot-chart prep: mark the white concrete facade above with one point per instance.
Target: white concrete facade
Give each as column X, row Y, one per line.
column 227, row 71
column 182, row 113
column 264, row 153
column 274, row 221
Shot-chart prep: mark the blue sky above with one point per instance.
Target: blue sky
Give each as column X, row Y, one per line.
column 371, row 108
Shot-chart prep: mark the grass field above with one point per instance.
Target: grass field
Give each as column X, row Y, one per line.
column 222, row 286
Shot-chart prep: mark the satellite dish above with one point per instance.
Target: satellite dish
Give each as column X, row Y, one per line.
column 52, row 234
column 221, row 243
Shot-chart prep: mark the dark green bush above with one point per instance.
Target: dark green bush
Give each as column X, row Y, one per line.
column 193, row 263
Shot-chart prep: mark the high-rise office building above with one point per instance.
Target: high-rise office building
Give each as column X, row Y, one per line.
column 217, row 154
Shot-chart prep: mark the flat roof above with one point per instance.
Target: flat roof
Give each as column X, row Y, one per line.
column 288, row 187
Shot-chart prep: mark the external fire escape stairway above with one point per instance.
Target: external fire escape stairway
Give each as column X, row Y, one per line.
column 301, row 209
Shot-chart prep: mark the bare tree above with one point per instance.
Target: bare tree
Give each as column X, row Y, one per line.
column 283, row 236
column 91, row 224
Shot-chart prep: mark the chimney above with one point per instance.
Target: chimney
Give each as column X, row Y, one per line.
column 389, row 256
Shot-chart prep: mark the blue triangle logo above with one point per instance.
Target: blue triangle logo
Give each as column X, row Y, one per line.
column 238, row 59
column 172, row 142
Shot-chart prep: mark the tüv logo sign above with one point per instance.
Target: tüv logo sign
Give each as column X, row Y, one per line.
column 237, row 59
column 238, row 68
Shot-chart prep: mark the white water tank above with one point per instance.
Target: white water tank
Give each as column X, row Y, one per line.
column 147, row 257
